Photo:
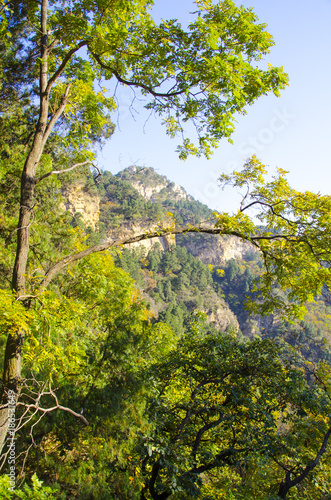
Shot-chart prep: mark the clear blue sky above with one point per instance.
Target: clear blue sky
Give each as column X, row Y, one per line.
column 292, row 132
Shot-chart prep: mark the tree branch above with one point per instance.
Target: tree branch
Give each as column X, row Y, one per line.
column 56, row 268
column 159, row 233
column 135, row 84
column 206, row 427
column 56, row 407
column 224, row 456
column 151, row 486
column 57, row 172
column 5, row 5
column 63, row 65
column 56, row 115
column 289, row 483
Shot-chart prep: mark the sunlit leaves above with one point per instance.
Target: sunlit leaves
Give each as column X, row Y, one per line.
column 13, row 315
column 225, row 408
column 294, row 236
column 205, row 74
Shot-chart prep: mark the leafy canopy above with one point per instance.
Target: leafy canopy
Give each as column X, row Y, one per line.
column 205, row 74
column 292, row 230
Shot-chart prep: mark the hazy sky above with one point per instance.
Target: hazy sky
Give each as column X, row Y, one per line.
column 292, row 132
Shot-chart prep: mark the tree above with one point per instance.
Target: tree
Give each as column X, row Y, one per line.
column 224, row 410
column 61, row 50
column 293, row 238
column 89, row 345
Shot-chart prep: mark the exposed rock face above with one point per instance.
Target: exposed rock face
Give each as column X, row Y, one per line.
column 209, row 249
column 222, row 317
column 215, row 250
column 150, row 190
column 134, row 228
column 255, row 324
column 78, row 200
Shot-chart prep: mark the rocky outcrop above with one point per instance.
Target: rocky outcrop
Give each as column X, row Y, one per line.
column 150, row 185
column 214, row 250
column 209, row 249
column 174, row 191
column 77, row 200
column 222, row 317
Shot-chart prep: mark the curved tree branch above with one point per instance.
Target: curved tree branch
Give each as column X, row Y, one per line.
column 159, row 233
column 36, row 406
column 57, row 172
column 289, row 483
column 135, row 84
column 56, row 115
column 205, row 428
column 115, row 243
column 63, row 65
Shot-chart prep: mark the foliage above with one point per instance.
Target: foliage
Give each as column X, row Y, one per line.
column 205, row 74
column 121, row 202
column 37, row 492
column 235, row 280
column 226, row 412
column 93, row 340
column 110, row 402
column 294, row 237
column 177, row 283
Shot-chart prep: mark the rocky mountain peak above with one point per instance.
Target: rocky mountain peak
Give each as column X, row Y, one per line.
column 153, row 186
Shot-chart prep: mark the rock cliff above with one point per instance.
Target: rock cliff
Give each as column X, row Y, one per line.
column 78, row 200
column 152, row 186
column 214, row 250
column 127, row 204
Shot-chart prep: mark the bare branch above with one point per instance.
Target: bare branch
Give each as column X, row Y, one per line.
column 53, row 44
column 242, row 207
column 25, row 297
column 57, row 172
column 57, row 406
column 28, row 225
column 5, row 5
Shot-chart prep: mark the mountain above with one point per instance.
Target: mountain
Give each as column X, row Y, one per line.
column 137, row 200
column 178, row 275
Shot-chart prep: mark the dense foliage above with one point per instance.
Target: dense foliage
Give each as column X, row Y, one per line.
column 105, row 395
column 177, row 283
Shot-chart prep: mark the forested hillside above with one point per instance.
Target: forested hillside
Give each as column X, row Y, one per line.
column 131, row 368
column 173, row 277
column 109, row 388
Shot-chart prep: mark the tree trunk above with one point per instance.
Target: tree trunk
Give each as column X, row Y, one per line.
column 12, row 361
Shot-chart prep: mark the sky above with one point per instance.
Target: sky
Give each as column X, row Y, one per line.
column 291, row 132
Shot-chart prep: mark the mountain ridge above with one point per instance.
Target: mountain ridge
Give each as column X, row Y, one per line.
column 138, row 200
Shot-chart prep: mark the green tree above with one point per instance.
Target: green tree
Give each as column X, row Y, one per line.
column 293, row 238
column 93, row 339
column 60, row 50
column 238, row 415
